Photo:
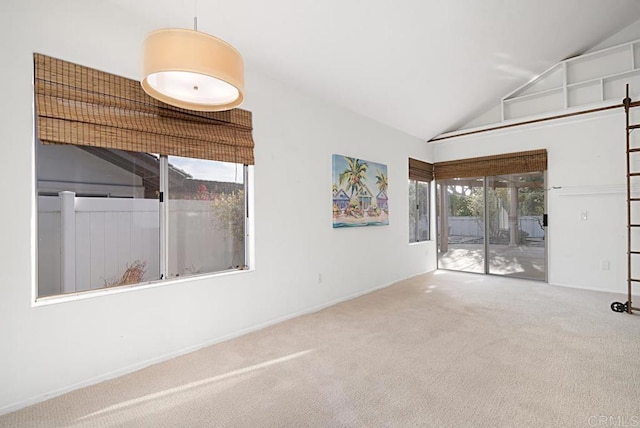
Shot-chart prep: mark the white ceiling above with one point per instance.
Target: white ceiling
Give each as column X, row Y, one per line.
column 421, row 66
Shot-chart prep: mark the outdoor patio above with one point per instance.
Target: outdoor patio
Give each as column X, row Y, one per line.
column 523, row 261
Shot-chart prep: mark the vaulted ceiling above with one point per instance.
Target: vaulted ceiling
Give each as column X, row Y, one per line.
column 421, row 66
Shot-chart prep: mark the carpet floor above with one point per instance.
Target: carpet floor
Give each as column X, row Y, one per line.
column 443, row 349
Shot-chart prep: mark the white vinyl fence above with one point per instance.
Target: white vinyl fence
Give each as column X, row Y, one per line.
column 532, row 225
column 465, row 226
column 88, row 243
column 471, row 227
column 197, row 242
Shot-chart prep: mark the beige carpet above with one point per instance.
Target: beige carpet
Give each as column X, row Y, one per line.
column 444, row 349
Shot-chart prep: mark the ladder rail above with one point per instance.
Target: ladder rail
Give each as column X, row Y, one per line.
column 630, row 252
column 628, row 306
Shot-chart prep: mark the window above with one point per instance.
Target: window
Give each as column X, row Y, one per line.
column 100, row 222
column 418, row 211
column 206, row 217
column 89, row 242
column 420, row 177
column 130, row 190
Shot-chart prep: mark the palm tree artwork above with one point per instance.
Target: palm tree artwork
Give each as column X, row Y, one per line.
column 382, row 181
column 354, row 175
column 354, row 204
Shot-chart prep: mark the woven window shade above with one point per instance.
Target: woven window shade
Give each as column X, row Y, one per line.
column 509, row 163
column 421, row 171
column 83, row 106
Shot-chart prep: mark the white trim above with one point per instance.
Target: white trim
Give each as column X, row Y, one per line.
column 500, row 125
column 115, row 190
column 536, row 94
column 607, row 189
column 622, row 293
column 421, row 242
column 34, row 200
column 98, row 292
column 532, row 81
column 565, row 89
column 597, row 79
column 611, row 189
column 247, row 217
column 163, row 217
column 601, row 51
column 251, row 223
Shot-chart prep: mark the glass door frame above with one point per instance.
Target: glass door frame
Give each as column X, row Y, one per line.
column 486, row 249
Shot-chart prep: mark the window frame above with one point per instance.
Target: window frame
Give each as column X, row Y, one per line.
column 78, row 106
column 163, row 232
column 416, row 210
column 420, row 172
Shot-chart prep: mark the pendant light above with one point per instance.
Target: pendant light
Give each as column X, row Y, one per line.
column 192, row 70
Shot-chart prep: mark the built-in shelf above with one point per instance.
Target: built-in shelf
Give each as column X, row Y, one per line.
column 586, row 83
column 553, row 79
column 534, row 103
column 584, row 80
column 585, row 93
column 598, row 64
column 535, row 95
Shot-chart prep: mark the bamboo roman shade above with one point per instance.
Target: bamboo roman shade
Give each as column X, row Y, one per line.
column 421, row 171
column 509, row 163
column 83, row 106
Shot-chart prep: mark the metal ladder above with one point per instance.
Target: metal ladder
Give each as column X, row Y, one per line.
column 632, row 203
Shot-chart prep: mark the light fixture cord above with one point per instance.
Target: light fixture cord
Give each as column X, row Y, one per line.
column 195, row 15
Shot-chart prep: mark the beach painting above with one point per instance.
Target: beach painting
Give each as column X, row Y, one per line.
column 359, row 193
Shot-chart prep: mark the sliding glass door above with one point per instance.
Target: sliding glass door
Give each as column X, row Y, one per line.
column 493, row 225
column 516, row 235
column 461, row 224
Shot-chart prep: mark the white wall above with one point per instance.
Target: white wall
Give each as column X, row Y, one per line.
column 586, row 172
column 49, row 349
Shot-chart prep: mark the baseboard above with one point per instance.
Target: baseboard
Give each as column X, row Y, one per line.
column 138, row 366
column 598, row 289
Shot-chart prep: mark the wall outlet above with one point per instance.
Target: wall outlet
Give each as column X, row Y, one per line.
column 606, row 265
column 583, row 215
